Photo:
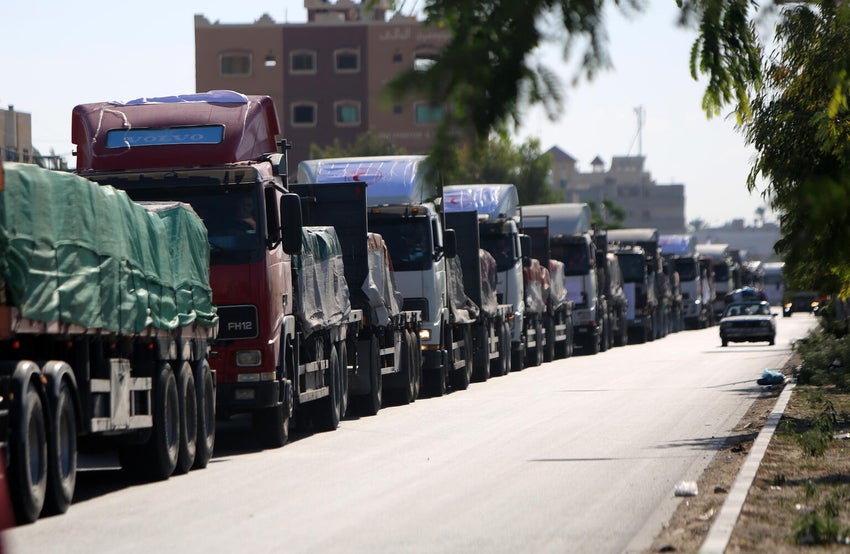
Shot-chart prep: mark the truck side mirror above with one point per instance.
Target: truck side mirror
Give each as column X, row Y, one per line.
column 291, row 223
column 525, row 247
column 449, row 243
column 272, row 218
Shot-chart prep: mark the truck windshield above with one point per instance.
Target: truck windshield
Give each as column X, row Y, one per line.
column 232, row 218
column 687, row 269
column 633, row 267
column 575, row 257
column 500, row 247
column 408, row 240
column 721, row 272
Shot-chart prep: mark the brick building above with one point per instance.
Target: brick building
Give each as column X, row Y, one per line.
column 326, row 76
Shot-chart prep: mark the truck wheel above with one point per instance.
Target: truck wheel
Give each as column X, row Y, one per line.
column 271, row 425
column 342, row 352
column 436, row 379
column 205, row 396
column 61, row 452
column 161, row 451
column 461, row 377
column 499, row 365
column 534, row 355
column 416, row 358
column 326, row 411
column 408, row 357
column 28, row 464
column 188, row 403
column 373, row 400
column 481, row 356
column 549, row 331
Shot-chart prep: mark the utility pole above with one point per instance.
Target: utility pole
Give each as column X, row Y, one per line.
column 639, row 111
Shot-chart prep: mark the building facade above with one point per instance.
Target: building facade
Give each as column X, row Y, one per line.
column 16, row 136
column 625, row 183
column 327, row 75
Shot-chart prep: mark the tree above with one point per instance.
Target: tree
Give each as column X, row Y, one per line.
column 485, row 75
column 366, row 144
column 800, row 127
column 697, row 225
column 499, row 161
column 608, row 215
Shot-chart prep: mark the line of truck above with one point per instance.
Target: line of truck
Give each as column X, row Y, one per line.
column 180, row 277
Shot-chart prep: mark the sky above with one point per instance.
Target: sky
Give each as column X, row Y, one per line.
column 59, row 54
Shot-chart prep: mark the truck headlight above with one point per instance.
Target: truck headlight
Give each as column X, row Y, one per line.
column 249, row 358
column 424, row 334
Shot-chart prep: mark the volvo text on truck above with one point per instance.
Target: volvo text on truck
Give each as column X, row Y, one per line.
column 279, row 287
column 106, row 318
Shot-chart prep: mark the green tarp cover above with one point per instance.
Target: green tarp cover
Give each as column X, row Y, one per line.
column 75, row 252
column 322, row 300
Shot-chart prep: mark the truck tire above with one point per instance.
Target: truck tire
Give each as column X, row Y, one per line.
column 327, row 410
column 534, row 355
column 188, row 402
column 436, row 380
column 28, row 451
column 342, row 352
column 461, row 377
column 162, row 450
column 499, row 365
column 481, row 356
column 416, row 362
column 549, row 334
column 205, row 395
column 372, row 401
column 61, row 452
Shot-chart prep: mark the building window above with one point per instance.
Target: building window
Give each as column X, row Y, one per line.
column 397, row 109
column 398, row 58
column 235, row 64
column 304, row 114
column 347, row 61
column 347, row 113
column 302, row 61
column 428, row 114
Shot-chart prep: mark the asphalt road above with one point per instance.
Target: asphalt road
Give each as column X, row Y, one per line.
column 579, row 455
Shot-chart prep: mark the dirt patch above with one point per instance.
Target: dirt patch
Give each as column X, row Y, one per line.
column 790, row 487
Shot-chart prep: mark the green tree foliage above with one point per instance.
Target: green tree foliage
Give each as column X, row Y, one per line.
column 486, row 76
column 800, row 127
column 498, row 160
column 366, row 144
column 607, row 215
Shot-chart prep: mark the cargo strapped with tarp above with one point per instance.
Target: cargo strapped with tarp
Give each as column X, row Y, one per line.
column 322, row 300
column 391, row 179
column 365, row 255
column 492, row 201
column 536, row 287
column 79, row 254
column 557, row 285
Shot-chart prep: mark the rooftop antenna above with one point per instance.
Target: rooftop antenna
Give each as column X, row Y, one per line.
column 640, row 113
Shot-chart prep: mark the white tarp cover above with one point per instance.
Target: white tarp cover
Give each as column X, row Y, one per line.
column 487, row 264
column 379, row 286
column 463, row 308
column 575, row 288
column 679, row 245
column 558, row 285
column 322, row 300
column 564, row 219
column 390, row 179
column 492, row 200
column 536, row 286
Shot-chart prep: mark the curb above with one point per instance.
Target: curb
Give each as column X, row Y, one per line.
column 721, row 530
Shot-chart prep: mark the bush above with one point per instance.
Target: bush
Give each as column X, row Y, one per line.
column 825, row 359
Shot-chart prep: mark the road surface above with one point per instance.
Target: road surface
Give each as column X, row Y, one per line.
column 578, row 455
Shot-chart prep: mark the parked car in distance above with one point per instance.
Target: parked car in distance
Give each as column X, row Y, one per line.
column 800, row 301
column 748, row 322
